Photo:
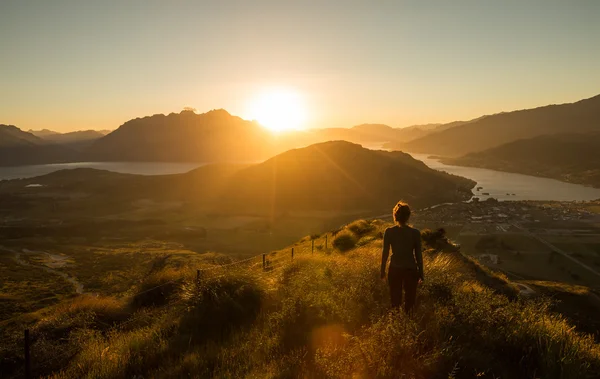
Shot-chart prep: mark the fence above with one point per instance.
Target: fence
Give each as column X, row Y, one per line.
column 272, row 263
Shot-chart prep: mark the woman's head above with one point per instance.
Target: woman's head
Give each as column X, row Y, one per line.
column 401, row 213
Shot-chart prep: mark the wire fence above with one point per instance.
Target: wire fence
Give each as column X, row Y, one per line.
column 264, row 266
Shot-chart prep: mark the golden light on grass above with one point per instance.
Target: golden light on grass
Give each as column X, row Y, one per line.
column 279, row 110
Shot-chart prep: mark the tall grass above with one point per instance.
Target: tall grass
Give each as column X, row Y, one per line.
column 325, row 315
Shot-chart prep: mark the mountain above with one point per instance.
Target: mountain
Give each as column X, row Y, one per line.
column 333, row 176
column 44, row 133
column 568, row 157
column 380, row 135
column 70, row 137
column 11, row 135
column 341, row 176
column 185, row 137
column 21, row 148
column 495, row 130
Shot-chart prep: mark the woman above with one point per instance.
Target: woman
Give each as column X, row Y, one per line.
column 406, row 264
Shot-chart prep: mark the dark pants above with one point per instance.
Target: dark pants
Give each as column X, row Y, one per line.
column 399, row 278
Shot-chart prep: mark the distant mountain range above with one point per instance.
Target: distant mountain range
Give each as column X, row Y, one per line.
column 21, row 148
column 69, row 137
column 567, row 157
column 215, row 136
column 495, row 130
column 333, row 176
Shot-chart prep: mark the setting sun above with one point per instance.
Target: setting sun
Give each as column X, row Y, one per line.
column 279, row 110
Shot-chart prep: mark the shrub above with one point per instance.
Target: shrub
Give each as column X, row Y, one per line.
column 434, row 239
column 360, row 227
column 344, row 241
column 157, row 289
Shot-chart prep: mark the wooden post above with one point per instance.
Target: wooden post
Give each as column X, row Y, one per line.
column 27, row 356
column 197, row 275
column 312, row 248
column 325, row 241
column 292, row 253
column 264, row 261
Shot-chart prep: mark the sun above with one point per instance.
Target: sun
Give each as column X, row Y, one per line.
column 279, row 110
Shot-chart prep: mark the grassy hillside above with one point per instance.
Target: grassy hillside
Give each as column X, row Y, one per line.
column 568, row 157
column 498, row 129
column 321, row 315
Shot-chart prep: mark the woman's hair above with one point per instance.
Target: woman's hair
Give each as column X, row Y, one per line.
column 401, row 213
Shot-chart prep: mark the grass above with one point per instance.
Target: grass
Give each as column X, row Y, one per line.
column 322, row 315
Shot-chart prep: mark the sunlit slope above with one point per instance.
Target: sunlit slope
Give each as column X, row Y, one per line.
column 322, row 314
column 332, row 176
column 498, row 129
column 568, row 157
column 342, row 176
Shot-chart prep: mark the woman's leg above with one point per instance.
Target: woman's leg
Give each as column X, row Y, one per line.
column 411, row 280
column 395, row 283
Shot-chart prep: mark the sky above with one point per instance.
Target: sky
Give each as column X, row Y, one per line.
column 71, row 65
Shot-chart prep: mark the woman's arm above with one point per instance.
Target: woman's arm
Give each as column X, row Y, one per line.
column 385, row 253
column 419, row 254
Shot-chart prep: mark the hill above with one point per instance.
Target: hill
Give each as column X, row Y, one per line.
column 215, row 136
column 567, row 157
column 337, row 177
column 21, row 148
column 322, row 314
column 495, row 130
column 342, row 176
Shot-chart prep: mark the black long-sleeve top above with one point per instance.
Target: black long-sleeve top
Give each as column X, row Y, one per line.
column 406, row 248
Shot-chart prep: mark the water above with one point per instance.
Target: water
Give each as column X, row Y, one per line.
column 501, row 185
column 140, row 168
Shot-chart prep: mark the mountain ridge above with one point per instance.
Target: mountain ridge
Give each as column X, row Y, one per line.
column 497, row 129
column 570, row 157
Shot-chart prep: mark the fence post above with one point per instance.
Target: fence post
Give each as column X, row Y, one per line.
column 27, row 356
column 312, row 248
column 325, row 241
column 292, row 253
column 264, row 261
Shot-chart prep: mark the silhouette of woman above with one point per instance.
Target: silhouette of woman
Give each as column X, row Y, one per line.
column 406, row 264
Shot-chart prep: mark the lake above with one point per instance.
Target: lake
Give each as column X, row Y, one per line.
column 140, row 168
column 501, row 185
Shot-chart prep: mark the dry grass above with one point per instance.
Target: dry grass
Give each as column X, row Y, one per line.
column 324, row 315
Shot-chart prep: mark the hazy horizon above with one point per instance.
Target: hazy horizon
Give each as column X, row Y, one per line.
column 71, row 66
column 198, row 111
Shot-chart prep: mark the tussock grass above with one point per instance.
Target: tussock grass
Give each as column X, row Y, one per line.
column 158, row 288
column 327, row 315
column 360, row 227
column 344, row 241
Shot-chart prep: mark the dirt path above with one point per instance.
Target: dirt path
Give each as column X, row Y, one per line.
column 54, row 261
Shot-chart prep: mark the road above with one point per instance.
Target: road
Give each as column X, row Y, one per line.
column 556, row 249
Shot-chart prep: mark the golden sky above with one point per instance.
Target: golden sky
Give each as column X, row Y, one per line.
column 69, row 65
